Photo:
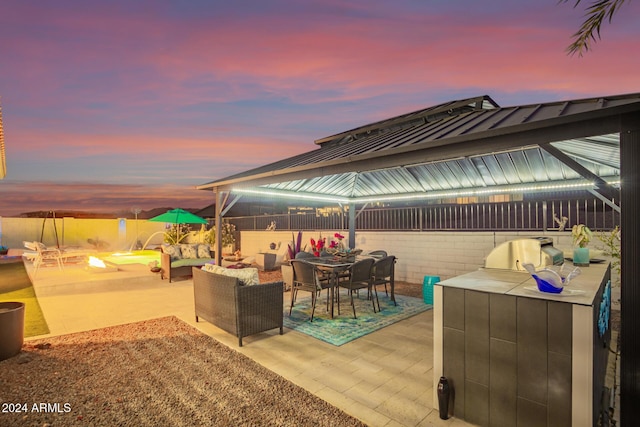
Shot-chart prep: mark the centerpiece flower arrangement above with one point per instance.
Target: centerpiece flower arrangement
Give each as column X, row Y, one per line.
column 318, row 245
column 337, row 244
column 338, row 248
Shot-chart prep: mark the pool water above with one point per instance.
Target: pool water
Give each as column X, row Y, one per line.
column 131, row 257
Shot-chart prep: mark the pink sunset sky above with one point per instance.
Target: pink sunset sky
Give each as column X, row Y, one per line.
column 108, row 105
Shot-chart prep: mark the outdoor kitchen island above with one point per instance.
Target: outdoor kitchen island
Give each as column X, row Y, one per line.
column 515, row 356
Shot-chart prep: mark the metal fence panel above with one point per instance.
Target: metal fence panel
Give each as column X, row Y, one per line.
column 533, row 215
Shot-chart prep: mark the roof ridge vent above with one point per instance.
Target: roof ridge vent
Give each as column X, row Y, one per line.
column 416, row 118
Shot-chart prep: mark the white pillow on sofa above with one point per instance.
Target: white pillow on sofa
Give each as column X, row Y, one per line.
column 173, row 251
column 189, row 251
column 204, row 251
column 249, row 276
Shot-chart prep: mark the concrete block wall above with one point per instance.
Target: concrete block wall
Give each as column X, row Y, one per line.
column 444, row 254
column 253, row 242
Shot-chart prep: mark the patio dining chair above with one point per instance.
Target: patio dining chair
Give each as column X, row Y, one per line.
column 378, row 253
column 304, row 255
column 383, row 273
column 360, row 278
column 306, row 278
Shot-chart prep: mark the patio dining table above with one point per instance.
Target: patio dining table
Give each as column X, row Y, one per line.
column 333, row 266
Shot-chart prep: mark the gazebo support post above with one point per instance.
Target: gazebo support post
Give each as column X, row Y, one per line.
column 630, row 270
column 218, row 225
column 352, row 225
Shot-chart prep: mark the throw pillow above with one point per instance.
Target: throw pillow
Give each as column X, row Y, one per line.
column 189, row 251
column 173, row 251
column 247, row 275
column 204, row 251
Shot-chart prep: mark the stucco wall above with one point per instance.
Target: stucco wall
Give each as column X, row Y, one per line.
column 116, row 234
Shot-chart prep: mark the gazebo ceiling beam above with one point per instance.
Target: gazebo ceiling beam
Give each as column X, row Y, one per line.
column 608, row 192
column 230, row 204
column 606, row 201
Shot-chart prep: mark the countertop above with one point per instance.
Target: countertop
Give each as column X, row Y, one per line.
column 581, row 290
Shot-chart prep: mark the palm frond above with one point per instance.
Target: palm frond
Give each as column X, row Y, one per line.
column 589, row 31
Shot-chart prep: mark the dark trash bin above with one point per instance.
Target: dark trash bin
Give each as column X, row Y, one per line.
column 11, row 328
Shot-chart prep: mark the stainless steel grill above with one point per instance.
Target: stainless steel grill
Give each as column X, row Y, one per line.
column 510, row 255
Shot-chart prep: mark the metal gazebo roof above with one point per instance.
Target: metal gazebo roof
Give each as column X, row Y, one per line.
column 470, row 145
column 473, row 145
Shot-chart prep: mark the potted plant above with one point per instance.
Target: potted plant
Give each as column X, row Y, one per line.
column 177, row 233
column 228, row 237
column 11, row 328
column 4, row 250
column 581, row 235
column 297, row 245
column 612, row 243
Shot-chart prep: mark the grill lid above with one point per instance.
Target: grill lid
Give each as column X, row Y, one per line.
column 538, row 251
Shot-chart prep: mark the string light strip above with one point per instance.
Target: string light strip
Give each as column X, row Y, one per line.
column 564, row 186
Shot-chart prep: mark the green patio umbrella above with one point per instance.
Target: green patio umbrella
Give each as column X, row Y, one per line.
column 178, row 216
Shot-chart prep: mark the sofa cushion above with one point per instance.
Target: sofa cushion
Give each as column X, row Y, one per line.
column 249, row 276
column 204, row 251
column 173, row 250
column 193, row 262
column 189, row 251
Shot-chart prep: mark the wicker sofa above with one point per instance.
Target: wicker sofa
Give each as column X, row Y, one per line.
column 238, row 309
column 175, row 261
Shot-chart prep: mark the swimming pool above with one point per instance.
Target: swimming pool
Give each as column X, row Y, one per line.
column 131, row 257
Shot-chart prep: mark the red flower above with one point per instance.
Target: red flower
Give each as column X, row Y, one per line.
column 318, row 245
column 338, row 236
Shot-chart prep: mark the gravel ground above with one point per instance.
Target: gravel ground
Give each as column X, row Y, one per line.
column 160, row 372
column 157, row 372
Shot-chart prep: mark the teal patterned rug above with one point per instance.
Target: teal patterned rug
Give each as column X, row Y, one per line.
column 344, row 328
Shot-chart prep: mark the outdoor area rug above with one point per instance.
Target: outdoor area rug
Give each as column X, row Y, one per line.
column 160, row 372
column 15, row 285
column 344, row 328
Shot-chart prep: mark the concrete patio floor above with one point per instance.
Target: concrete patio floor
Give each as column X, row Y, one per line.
column 384, row 379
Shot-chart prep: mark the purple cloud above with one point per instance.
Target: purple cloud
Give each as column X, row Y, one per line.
column 152, row 92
